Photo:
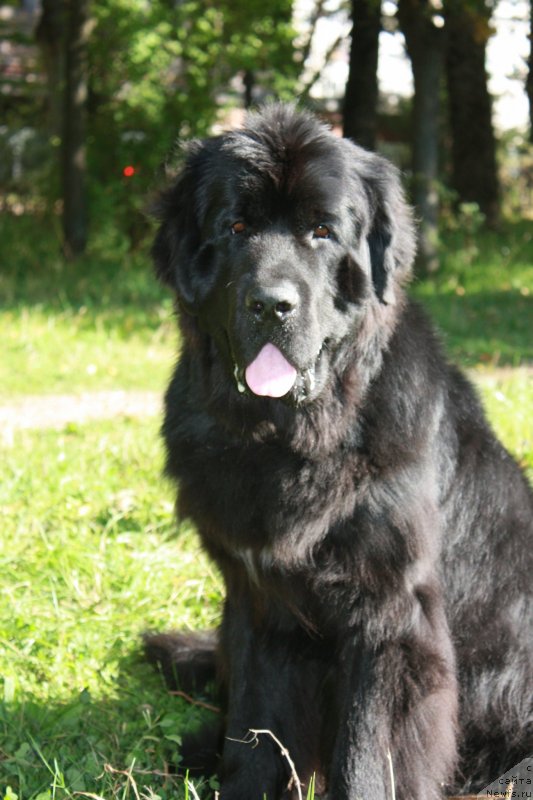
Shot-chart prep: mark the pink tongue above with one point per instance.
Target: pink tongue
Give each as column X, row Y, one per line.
column 270, row 374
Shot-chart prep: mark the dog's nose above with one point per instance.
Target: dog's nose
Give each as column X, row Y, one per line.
column 276, row 303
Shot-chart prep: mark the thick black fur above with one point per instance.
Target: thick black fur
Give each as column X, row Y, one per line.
column 374, row 537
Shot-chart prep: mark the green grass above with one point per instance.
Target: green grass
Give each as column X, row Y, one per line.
column 100, row 323
column 76, row 350
column 483, row 303
column 90, row 555
column 87, row 565
column 508, row 401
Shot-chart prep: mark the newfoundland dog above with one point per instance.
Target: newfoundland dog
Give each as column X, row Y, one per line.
column 373, row 535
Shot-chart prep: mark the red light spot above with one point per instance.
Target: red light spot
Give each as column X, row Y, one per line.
column 128, row 172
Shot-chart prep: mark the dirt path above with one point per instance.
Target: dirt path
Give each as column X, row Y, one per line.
column 56, row 411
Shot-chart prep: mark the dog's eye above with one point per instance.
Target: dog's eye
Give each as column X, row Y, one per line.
column 238, row 227
column 321, row 232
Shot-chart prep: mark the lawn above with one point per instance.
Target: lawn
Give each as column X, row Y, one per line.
column 100, row 323
column 89, row 542
column 90, row 554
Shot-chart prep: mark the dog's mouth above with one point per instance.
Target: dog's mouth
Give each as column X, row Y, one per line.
column 271, row 374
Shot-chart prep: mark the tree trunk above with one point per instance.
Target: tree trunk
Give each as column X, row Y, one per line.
column 50, row 38
column 361, row 96
column 529, row 80
column 425, row 46
column 249, row 83
column 474, row 170
column 74, row 128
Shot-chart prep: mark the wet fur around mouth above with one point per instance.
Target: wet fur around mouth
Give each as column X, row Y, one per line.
column 373, row 536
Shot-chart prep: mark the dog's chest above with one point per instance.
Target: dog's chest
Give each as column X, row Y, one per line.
column 263, row 505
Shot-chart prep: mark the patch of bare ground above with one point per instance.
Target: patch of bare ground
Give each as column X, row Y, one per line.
column 57, row 411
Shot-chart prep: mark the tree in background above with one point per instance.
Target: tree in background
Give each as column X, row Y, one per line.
column 149, row 73
column 156, row 71
column 173, row 64
column 258, row 41
column 473, row 146
column 425, row 40
column 529, row 79
column 63, row 35
column 361, row 97
column 454, row 34
column 74, row 130
column 50, row 38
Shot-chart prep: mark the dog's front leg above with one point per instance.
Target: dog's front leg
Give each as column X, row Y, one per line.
column 397, row 703
column 273, row 686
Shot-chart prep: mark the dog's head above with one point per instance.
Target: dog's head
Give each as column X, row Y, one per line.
column 279, row 237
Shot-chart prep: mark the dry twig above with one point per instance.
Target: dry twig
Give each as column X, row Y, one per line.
column 194, row 702
column 128, row 774
column 192, row 789
column 391, row 770
column 89, row 794
column 254, row 740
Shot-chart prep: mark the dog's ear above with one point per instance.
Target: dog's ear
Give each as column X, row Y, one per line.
column 390, row 233
column 177, row 246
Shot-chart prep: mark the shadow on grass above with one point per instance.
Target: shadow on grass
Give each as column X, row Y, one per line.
column 117, row 746
column 107, row 278
column 488, row 327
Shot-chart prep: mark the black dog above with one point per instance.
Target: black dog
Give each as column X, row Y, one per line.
column 371, row 531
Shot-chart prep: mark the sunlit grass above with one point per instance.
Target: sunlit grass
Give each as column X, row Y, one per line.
column 102, row 322
column 81, row 350
column 483, row 303
column 89, row 559
column 508, row 401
